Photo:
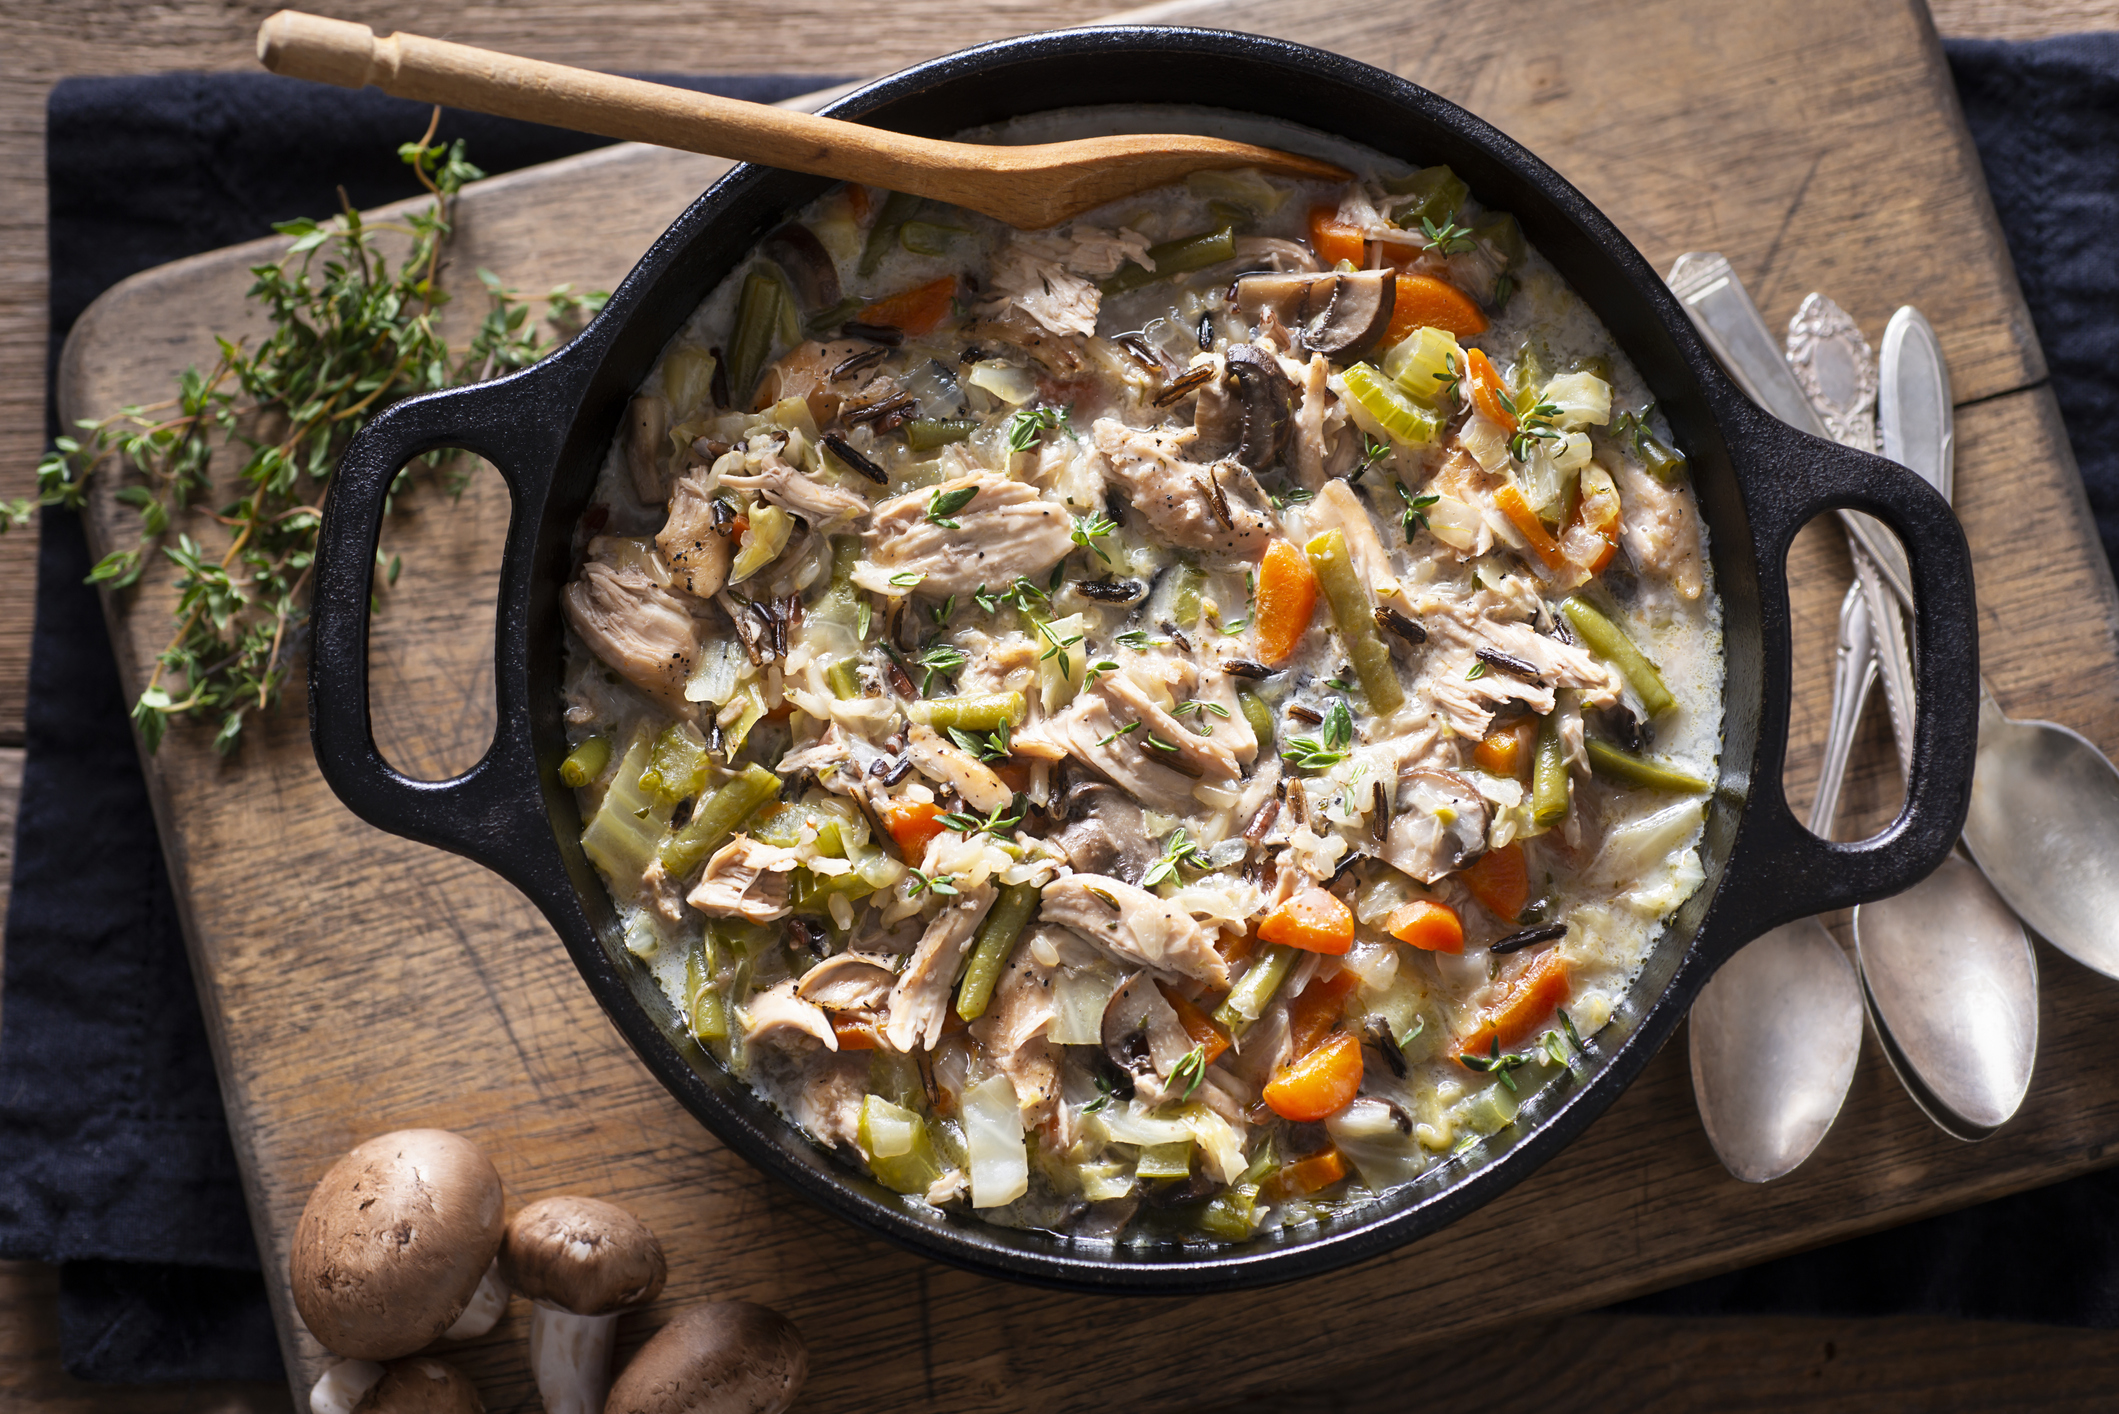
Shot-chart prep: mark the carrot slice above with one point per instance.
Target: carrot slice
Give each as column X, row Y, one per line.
column 855, row 1033
column 1320, row 1084
column 1312, row 920
column 1287, row 598
column 1202, row 1031
column 1427, row 924
column 1500, row 880
column 1505, row 751
column 1424, row 300
column 1592, row 536
column 1332, row 241
column 1303, row 1177
column 919, row 310
column 912, row 824
column 1313, row 1014
column 1522, row 1009
column 1488, row 390
column 1511, row 503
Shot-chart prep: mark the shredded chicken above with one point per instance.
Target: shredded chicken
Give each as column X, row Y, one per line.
column 793, row 490
column 848, row 981
column 1089, row 731
column 1308, row 448
column 641, row 631
column 697, row 553
column 1212, row 757
column 1003, row 531
column 1043, row 274
column 945, row 763
column 777, row 1014
column 745, row 879
column 1659, row 528
column 1134, row 926
column 1012, row 1033
column 1458, row 627
column 919, row 1003
column 1178, row 496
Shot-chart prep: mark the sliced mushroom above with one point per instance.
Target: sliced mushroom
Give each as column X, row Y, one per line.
column 1439, row 827
column 1286, row 295
column 1142, row 1033
column 851, row 981
column 1248, row 412
column 724, row 1356
column 798, row 251
column 1353, row 317
column 1106, row 832
column 647, row 435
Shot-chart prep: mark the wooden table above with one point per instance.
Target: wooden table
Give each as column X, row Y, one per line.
column 198, row 38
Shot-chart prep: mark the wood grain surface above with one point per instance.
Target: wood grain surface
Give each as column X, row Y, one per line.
column 355, row 982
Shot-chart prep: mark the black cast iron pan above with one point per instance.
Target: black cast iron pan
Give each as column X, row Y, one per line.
column 547, row 427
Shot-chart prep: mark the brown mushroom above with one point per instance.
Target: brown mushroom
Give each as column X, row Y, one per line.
column 726, row 1357
column 394, row 1243
column 582, row 1261
column 1353, row 317
column 1248, row 412
column 421, row 1386
column 1143, row 1034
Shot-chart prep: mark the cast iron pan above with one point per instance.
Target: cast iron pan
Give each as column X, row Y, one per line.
column 546, row 428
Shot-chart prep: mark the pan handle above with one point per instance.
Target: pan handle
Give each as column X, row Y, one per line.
column 1779, row 871
column 494, row 812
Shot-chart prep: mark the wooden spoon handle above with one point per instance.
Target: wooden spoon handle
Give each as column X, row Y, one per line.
column 460, row 76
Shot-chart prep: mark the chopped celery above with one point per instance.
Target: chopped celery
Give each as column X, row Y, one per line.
column 1609, row 642
column 1383, row 409
column 1260, row 718
column 971, row 712
column 844, row 678
column 1488, row 1110
column 585, row 762
column 734, row 733
column 1232, row 1214
column 1607, row 760
column 1165, row 1160
column 1191, row 587
column 1436, row 194
column 769, row 530
column 1176, row 257
column 1354, row 617
column 621, row 836
column 707, row 1010
column 1247, row 1000
column 830, row 818
column 1425, row 364
column 687, row 377
column 714, row 820
column 924, row 434
column 1003, row 924
column 757, row 325
column 676, row 767
column 909, row 1165
column 898, row 208
column 896, row 1077
column 1548, row 791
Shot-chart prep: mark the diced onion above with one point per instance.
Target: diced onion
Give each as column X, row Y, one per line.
column 1640, row 845
column 1012, row 385
column 1486, row 440
column 1218, row 1142
column 1455, row 523
column 1584, row 400
column 993, row 1137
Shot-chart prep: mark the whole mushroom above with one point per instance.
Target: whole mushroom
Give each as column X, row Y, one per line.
column 582, row 1261
column 726, row 1357
column 420, row 1385
column 395, row 1242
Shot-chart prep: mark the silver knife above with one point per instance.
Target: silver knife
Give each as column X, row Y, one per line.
column 1730, row 323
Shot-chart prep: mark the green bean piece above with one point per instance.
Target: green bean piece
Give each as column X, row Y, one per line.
column 924, row 434
column 1355, row 619
column 1177, row 257
column 898, row 208
column 1191, row 587
column 1260, row 717
column 1247, row 1000
column 716, row 818
column 1609, row 642
column 928, row 237
column 585, row 762
column 707, row 1012
column 676, row 767
column 757, row 323
column 1549, row 789
column 1436, row 194
column 1004, row 923
column 1607, row 760
column 844, row 678
column 972, row 711
column 1664, row 462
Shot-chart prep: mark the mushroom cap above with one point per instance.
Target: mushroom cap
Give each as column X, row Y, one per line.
column 725, row 1357
column 421, row 1386
column 582, row 1255
column 394, row 1241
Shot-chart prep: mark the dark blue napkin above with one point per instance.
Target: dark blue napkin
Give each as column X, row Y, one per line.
column 114, row 1152
column 114, row 1156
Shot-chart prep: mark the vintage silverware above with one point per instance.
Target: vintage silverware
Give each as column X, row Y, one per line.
column 1947, row 973
column 1775, row 1034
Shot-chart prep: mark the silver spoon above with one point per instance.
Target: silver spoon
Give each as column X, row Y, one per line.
column 1947, row 973
column 1774, row 1035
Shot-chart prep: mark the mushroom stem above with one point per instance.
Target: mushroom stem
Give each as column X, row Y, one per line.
column 487, row 1303
column 341, row 1386
column 570, row 1356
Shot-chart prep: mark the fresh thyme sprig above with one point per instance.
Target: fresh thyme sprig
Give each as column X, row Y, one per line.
column 1320, row 753
column 992, row 823
column 1416, row 508
column 348, row 336
column 1028, row 424
column 939, row 658
column 939, row 884
column 1494, row 1063
column 1178, row 851
column 1449, row 238
column 1190, row 1068
column 993, row 746
column 1090, row 529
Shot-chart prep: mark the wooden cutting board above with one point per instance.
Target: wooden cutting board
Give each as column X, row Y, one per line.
column 354, row 982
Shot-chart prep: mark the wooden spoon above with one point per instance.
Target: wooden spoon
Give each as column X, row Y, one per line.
column 1028, row 187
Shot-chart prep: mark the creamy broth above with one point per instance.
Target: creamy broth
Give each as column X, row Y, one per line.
column 1084, row 772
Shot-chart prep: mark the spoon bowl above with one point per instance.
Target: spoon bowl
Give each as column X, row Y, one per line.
column 2043, row 822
